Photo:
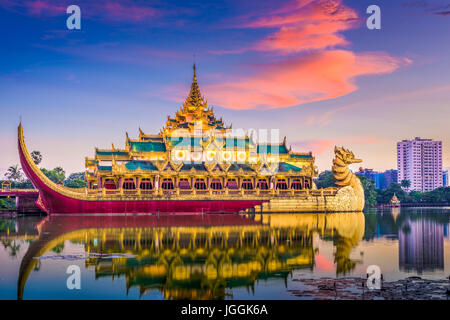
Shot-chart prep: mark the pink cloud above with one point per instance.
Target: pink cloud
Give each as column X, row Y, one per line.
column 308, row 78
column 306, row 25
column 321, row 72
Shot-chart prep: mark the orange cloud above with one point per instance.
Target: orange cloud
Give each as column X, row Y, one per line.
column 309, row 78
column 306, row 25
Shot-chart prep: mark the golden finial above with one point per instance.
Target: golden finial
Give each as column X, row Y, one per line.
column 195, row 74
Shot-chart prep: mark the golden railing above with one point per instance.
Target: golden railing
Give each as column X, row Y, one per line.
column 208, row 194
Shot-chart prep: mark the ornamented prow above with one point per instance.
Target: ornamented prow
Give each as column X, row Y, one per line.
column 342, row 174
column 344, row 177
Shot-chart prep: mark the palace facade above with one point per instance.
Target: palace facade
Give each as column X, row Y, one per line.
column 195, row 152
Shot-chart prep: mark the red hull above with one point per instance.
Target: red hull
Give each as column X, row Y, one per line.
column 53, row 202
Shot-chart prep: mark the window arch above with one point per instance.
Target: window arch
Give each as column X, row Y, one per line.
column 262, row 184
column 184, row 184
column 110, row 184
column 296, row 184
column 281, row 184
column 216, row 184
column 146, row 184
column 307, row 184
column 128, row 184
column 232, row 184
column 200, row 184
column 167, row 184
column 247, row 184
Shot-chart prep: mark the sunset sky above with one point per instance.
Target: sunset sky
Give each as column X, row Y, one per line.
column 309, row 68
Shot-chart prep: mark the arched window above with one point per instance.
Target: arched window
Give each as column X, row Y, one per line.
column 307, row 184
column 146, row 184
column 184, row 184
column 247, row 184
column 216, row 184
column 262, row 184
column 232, row 184
column 200, row 184
column 281, row 184
column 110, row 184
column 167, row 184
column 128, row 184
column 296, row 184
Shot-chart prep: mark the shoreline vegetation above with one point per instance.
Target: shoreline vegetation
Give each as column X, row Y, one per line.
column 377, row 198
column 18, row 180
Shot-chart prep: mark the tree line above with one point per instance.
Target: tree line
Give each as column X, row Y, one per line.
column 18, row 180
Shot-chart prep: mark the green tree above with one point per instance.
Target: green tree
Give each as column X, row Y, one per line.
column 76, row 183
column 76, row 180
column 416, row 196
column 384, row 196
column 25, row 184
column 37, row 157
column 325, row 180
column 405, row 184
column 370, row 193
column 57, row 175
column 14, row 174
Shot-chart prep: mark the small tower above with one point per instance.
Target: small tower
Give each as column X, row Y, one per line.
column 394, row 201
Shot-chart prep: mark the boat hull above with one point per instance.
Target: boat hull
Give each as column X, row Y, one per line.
column 54, row 202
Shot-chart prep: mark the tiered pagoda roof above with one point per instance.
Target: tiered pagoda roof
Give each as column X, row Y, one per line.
column 141, row 154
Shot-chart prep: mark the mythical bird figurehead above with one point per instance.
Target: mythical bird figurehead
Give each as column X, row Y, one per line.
column 345, row 155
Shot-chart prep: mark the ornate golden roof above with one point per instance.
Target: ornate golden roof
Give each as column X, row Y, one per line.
column 395, row 199
column 195, row 108
column 195, row 101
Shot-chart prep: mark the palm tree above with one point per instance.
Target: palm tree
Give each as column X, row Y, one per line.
column 37, row 157
column 14, row 174
column 405, row 184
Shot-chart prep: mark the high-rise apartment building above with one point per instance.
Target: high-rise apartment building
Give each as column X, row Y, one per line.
column 445, row 178
column 420, row 162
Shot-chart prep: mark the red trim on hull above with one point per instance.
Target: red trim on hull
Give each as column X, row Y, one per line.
column 56, row 203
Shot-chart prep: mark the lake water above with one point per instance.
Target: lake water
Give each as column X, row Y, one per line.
column 215, row 256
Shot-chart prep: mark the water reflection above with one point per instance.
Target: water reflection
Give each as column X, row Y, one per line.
column 219, row 256
column 421, row 245
column 197, row 256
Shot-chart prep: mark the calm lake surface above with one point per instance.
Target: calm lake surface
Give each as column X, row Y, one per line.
column 215, row 256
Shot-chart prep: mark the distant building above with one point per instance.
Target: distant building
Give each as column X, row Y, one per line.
column 386, row 178
column 381, row 180
column 445, row 178
column 420, row 162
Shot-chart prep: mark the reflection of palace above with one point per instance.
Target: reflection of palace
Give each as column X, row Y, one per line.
column 199, row 257
column 421, row 246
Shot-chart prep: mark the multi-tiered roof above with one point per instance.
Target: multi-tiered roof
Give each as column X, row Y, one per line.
column 152, row 152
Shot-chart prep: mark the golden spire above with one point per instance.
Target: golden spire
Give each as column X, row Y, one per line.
column 194, row 101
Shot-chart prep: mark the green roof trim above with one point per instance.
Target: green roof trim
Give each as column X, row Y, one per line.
column 273, row 149
column 184, row 141
column 147, row 146
column 111, row 153
column 301, row 156
column 143, row 165
column 104, row 168
column 236, row 142
column 285, row 167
